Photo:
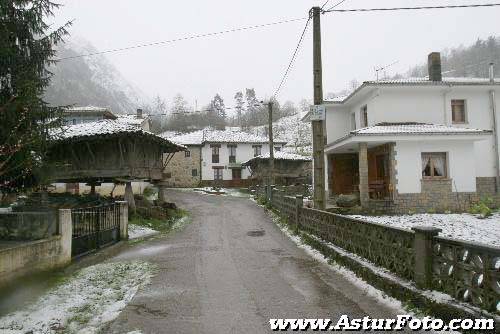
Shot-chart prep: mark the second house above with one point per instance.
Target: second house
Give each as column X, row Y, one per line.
column 214, row 157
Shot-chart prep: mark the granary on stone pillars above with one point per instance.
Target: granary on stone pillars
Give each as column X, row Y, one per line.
column 108, row 151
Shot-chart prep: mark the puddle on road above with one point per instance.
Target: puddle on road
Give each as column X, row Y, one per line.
column 256, row 233
column 143, row 251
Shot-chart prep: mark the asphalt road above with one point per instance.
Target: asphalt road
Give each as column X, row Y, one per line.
column 230, row 271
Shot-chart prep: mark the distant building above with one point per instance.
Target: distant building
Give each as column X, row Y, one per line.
column 214, row 157
column 289, row 168
column 78, row 115
column 139, row 119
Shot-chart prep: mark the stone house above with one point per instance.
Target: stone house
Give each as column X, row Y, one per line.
column 415, row 144
column 214, row 157
column 289, row 168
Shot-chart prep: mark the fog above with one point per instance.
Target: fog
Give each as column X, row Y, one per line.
column 353, row 43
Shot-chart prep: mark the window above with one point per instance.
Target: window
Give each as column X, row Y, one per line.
column 218, row 173
column 277, row 148
column 458, row 111
column 74, row 121
column 236, row 174
column 215, row 154
column 187, row 154
column 232, row 153
column 353, row 121
column 434, row 165
column 257, row 150
column 194, row 172
column 364, row 117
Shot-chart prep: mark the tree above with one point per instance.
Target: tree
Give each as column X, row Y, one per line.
column 180, row 105
column 159, row 115
column 239, row 106
column 216, row 113
column 288, row 109
column 26, row 52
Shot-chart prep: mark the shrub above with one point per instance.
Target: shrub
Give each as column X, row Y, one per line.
column 483, row 208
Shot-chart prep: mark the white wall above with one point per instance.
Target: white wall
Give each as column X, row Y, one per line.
column 461, row 167
column 244, row 152
column 427, row 104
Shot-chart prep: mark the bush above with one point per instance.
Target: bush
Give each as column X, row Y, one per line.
column 483, row 208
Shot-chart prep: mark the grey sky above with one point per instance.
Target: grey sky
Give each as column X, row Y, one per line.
column 352, row 43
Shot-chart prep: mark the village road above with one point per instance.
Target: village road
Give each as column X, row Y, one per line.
column 231, row 270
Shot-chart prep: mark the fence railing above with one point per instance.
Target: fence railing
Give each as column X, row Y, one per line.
column 467, row 271
column 95, row 227
column 27, row 226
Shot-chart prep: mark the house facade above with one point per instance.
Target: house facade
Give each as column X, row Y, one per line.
column 78, row 115
column 139, row 120
column 215, row 157
column 415, row 144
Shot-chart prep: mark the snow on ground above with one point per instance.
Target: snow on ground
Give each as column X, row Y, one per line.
column 234, row 192
column 136, row 231
column 87, row 301
column 463, row 226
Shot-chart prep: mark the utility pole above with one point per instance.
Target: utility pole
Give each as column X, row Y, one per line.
column 271, row 144
column 317, row 125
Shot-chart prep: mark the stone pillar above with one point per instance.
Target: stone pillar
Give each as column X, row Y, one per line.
column 422, row 250
column 123, row 220
column 162, row 196
column 364, row 195
column 65, row 230
column 129, row 196
column 299, row 204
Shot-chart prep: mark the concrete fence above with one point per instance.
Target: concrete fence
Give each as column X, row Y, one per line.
column 24, row 257
column 467, row 271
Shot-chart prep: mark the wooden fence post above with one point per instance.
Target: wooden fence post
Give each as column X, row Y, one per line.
column 299, row 204
column 422, row 251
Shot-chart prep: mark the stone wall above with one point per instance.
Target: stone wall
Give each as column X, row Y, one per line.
column 179, row 171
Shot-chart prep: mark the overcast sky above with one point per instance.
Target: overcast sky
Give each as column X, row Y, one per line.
column 353, row 44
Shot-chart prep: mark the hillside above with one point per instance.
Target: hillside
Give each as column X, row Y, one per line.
column 90, row 81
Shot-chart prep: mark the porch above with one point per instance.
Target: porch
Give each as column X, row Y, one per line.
column 362, row 169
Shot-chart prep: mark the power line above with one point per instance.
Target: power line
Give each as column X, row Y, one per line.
column 334, row 6
column 185, row 38
column 293, row 58
column 409, row 8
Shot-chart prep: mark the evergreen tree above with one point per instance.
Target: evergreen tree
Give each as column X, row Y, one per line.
column 239, row 106
column 26, row 51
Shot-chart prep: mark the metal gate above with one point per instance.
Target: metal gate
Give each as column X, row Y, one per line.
column 94, row 227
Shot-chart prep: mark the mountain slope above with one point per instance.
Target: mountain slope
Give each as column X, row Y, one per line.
column 90, row 81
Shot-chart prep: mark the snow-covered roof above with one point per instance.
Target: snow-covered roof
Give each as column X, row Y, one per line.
column 104, row 128
column 86, row 108
column 280, row 155
column 131, row 119
column 219, row 136
column 90, row 110
column 415, row 81
column 413, row 129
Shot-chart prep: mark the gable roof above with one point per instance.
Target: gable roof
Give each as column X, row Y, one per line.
column 280, row 155
column 220, row 136
column 90, row 110
column 421, row 81
column 104, row 129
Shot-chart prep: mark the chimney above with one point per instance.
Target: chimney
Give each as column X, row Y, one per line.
column 139, row 113
column 434, row 66
column 492, row 72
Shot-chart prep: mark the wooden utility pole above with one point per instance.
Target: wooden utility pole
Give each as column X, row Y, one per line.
column 317, row 125
column 271, row 144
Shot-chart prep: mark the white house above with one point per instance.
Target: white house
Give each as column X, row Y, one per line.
column 418, row 143
column 139, row 119
column 219, row 155
column 78, row 115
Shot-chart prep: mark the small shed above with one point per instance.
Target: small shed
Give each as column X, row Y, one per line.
column 289, row 168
